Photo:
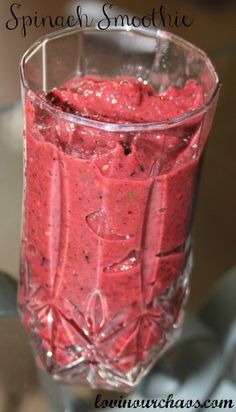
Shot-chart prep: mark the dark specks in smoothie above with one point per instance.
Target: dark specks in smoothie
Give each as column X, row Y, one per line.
column 141, row 168
column 188, row 132
column 52, row 98
column 86, row 255
column 127, row 147
column 44, row 261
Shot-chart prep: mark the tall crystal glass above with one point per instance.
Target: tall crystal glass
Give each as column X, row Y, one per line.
column 108, row 207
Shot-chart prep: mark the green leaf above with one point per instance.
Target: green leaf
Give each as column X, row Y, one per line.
column 131, row 195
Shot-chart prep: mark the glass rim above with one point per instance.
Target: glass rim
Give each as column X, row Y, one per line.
column 112, row 126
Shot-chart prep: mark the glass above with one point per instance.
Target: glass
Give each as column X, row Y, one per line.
column 108, row 208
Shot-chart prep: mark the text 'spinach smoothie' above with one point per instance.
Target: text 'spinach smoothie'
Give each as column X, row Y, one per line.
column 106, row 249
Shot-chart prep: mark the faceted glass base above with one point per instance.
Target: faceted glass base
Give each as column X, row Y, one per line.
column 117, row 356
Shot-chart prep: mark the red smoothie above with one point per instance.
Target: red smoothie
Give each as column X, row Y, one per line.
column 106, row 233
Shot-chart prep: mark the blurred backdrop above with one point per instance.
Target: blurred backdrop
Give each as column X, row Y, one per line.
column 213, row 30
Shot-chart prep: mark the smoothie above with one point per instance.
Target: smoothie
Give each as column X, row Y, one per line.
column 106, row 233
